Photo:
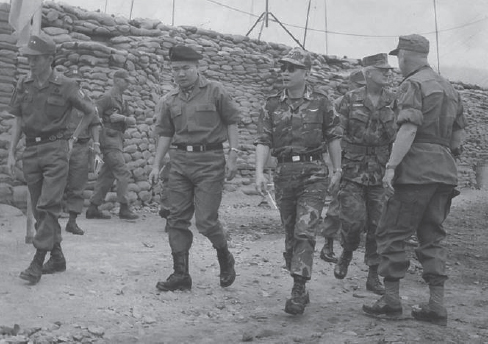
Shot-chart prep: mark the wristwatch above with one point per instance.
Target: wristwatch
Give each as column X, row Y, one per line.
column 339, row 170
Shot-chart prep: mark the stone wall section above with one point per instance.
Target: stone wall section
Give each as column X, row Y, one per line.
column 98, row 44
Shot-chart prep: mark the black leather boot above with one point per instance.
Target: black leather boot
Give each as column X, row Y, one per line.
column 327, row 252
column 125, row 213
column 389, row 305
column 56, row 263
column 94, row 213
column 373, row 282
column 287, row 255
column 34, row 272
column 180, row 279
column 226, row 262
column 299, row 297
column 340, row 270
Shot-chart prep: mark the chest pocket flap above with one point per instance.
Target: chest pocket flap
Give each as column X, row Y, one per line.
column 56, row 101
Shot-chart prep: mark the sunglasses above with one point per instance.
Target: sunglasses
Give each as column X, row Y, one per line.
column 290, row 67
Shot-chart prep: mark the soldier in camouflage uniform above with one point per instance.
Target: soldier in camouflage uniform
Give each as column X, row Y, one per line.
column 332, row 223
column 296, row 124
column 368, row 122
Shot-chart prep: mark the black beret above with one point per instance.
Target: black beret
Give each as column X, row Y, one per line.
column 183, row 53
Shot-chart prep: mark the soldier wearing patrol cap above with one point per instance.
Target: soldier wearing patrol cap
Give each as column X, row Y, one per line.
column 331, row 224
column 42, row 102
column 115, row 118
column 294, row 124
column 368, row 121
column 421, row 172
column 193, row 122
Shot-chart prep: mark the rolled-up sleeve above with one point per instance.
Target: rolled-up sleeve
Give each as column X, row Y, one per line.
column 409, row 104
column 227, row 107
column 265, row 127
column 164, row 125
column 332, row 124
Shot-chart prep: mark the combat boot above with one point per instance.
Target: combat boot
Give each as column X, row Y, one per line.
column 226, row 262
column 125, row 213
column 327, row 252
column 299, row 296
column 56, row 263
column 388, row 305
column 180, row 279
column 373, row 282
column 72, row 227
column 93, row 213
column 434, row 311
column 34, row 272
column 340, row 270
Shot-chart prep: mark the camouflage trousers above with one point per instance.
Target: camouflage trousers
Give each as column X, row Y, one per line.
column 360, row 210
column 332, row 223
column 300, row 194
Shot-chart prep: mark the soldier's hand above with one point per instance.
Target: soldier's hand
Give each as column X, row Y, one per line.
column 11, row 164
column 335, row 181
column 154, row 175
column 388, row 178
column 261, row 183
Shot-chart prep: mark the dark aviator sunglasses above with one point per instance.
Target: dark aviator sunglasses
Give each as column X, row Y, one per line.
column 291, row 68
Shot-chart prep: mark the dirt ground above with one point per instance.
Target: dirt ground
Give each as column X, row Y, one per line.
column 108, row 294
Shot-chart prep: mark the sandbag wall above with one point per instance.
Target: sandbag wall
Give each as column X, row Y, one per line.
column 98, row 44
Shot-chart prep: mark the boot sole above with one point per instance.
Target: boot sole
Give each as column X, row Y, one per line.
column 429, row 319
column 53, row 271
column 29, row 278
column 328, row 259
column 161, row 287
column 393, row 315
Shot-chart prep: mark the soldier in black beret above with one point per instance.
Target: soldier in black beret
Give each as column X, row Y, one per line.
column 192, row 123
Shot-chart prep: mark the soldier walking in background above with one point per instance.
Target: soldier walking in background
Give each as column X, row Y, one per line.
column 115, row 118
column 294, row 124
column 78, row 166
column 422, row 172
column 369, row 129
column 193, row 122
column 331, row 224
column 42, row 103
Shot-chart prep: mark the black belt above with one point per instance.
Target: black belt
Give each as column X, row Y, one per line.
column 300, row 158
column 198, row 148
column 32, row 141
column 83, row 141
column 366, row 150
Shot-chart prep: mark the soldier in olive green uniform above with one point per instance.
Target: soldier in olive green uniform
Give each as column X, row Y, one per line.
column 42, row 102
column 422, row 174
column 193, row 122
column 115, row 117
column 296, row 126
column 368, row 121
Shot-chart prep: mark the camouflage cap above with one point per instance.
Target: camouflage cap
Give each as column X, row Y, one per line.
column 357, row 76
column 298, row 57
column 413, row 42
column 39, row 45
column 183, row 53
column 377, row 61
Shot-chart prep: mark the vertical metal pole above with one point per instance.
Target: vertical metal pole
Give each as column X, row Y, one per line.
column 131, row 7
column 173, row 14
column 437, row 39
column 306, row 23
column 326, row 31
column 267, row 11
column 106, row 1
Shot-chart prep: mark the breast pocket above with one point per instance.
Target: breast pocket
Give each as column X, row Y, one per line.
column 55, row 107
column 206, row 116
column 312, row 123
column 176, row 116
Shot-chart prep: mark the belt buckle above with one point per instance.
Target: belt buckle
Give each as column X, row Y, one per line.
column 52, row 138
column 189, row 148
column 38, row 139
column 295, row 158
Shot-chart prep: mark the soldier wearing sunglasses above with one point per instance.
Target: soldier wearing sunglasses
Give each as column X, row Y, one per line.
column 297, row 125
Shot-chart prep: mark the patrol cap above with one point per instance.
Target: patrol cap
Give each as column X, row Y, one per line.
column 121, row 74
column 183, row 53
column 298, row 57
column 377, row 61
column 357, row 76
column 39, row 45
column 413, row 42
